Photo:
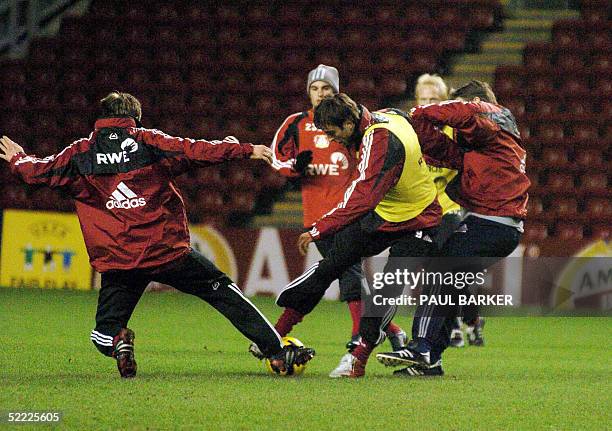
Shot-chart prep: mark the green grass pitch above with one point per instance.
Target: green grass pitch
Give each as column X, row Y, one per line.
column 195, row 373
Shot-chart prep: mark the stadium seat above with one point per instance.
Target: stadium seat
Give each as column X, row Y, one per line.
column 594, row 184
column 569, row 231
column 13, row 74
column 549, row 134
column 570, row 63
column 598, row 210
column 535, row 207
column 43, row 51
column 242, row 202
column 565, row 208
column 555, row 158
column 584, row 133
column 535, row 232
column 516, row 106
column 589, row 159
column 560, row 183
column 540, row 85
column 601, row 231
column 574, row 88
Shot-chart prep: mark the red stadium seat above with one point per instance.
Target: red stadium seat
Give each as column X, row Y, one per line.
column 13, row 74
column 584, row 132
column 257, row 15
column 603, row 87
column 550, row 133
column 241, row 202
column 590, row 159
column 535, row 207
column 209, row 200
column 537, row 62
column 594, row 184
column 540, row 85
column 560, row 183
column 598, row 209
column 565, row 208
column 601, row 231
column 575, row 88
column 43, row 78
column 544, row 110
column 272, row 180
column 43, row 51
column 569, row 231
column 555, row 158
column 570, row 62
column 577, row 108
column 535, row 232
column 516, row 106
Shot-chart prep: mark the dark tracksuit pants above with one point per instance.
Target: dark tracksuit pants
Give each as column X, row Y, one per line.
column 352, row 280
column 193, row 274
column 357, row 240
column 450, row 223
column 476, row 237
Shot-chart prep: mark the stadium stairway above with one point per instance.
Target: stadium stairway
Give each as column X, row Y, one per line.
column 506, row 47
column 286, row 213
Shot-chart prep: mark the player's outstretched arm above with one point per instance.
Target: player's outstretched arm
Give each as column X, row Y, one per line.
column 263, row 153
column 9, row 149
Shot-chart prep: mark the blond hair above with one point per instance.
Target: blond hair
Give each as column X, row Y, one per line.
column 435, row 81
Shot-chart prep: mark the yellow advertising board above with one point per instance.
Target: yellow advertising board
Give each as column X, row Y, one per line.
column 43, row 249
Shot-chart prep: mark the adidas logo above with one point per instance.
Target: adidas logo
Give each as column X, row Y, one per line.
column 113, row 136
column 124, row 198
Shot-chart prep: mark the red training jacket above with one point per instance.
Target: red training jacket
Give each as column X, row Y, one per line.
column 122, row 180
column 332, row 169
column 488, row 155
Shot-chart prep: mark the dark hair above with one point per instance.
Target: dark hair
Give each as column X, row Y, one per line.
column 121, row 104
column 473, row 89
column 334, row 111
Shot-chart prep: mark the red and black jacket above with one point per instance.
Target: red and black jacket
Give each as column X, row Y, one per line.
column 122, row 180
column 488, row 155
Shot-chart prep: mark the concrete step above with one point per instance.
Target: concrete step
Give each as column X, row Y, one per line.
column 287, row 206
column 277, row 220
column 293, row 196
column 466, row 68
column 546, row 14
column 486, row 57
column 492, row 45
column 521, row 36
column 528, row 24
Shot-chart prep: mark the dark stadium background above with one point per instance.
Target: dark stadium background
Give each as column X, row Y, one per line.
column 211, row 69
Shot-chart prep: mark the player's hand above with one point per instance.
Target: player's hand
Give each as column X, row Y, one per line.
column 302, row 160
column 262, row 152
column 303, row 242
column 8, row 148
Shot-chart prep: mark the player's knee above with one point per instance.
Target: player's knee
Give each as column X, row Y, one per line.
column 103, row 342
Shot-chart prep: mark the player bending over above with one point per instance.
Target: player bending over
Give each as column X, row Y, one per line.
column 134, row 223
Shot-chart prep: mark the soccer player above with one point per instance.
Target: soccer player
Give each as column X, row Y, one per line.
column 392, row 203
column 135, row 226
column 489, row 156
column 432, row 89
column 325, row 168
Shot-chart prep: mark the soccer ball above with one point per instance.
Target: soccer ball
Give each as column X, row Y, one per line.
column 296, row 370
